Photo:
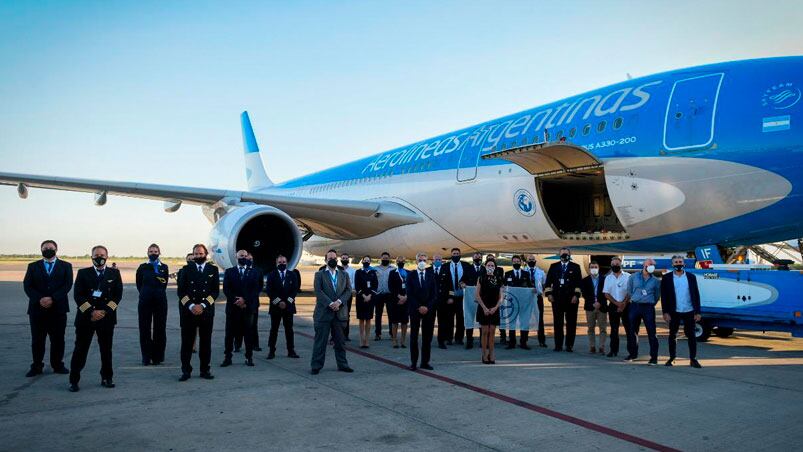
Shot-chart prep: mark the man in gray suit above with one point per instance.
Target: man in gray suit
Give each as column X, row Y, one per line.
column 332, row 290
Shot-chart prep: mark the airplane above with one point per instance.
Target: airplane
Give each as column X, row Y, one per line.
column 702, row 156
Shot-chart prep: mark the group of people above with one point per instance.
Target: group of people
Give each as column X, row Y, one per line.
column 414, row 298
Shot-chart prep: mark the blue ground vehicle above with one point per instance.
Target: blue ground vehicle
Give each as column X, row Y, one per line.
column 750, row 298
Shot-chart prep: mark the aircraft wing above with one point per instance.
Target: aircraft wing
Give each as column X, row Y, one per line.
column 332, row 218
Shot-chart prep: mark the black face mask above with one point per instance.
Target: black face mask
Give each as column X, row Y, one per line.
column 153, row 257
column 99, row 261
column 332, row 263
column 366, row 264
column 516, row 266
column 281, row 267
column 48, row 253
column 242, row 261
column 344, row 262
column 400, row 264
column 531, row 264
column 199, row 260
column 616, row 268
column 456, row 259
column 478, row 260
column 678, row 267
column 249, row 262
column 564, row 257
column 385, row 262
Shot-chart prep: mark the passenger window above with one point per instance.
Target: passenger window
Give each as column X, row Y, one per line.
column 572, row 132
column 617, row 123
column 586, row 129
column 601, row 126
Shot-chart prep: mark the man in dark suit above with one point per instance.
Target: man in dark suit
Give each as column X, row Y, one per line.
column 451, row 326
column 152, row 308
column 241, row 285
column 253, row 328
column 332, row 289
column 98, row 291
column 563, row 292
column 282, row 290
column 422, row 295
column 516, row 278
column 198, row 288
column 47, row 283
column 442, row 287
column 596, row 307
column 680, row 302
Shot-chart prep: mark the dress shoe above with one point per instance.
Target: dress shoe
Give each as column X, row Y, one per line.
column 524, row 346
column 469, row 345
column 347, row 370
column 630, row 358
column 696, row 364
column 602, row 351
column 257, row 349
column 107, row 383
column 61, row 370
column 397, row 346
column 236, row 349
column 146, row 362
column 378, row 338
column 293, row 355
column 315, row 371
column 510, row 346
column 413, row 367
column 557, row 349
column 271, row 354
column 184, row 377
column 569, row 350
column 403, row 346
column 207, row 376
column 611, row 354
column 493, row 361
column 460, row 342
column 542, row 344
column 33, row 372
column 74, row 387
column 363, row 346
column 226, row 363
column 249, row 362
column 442, row 346
column 449, row 343
column 669, row 362
column 652, row 362
column 426, row 367
column 593, row 350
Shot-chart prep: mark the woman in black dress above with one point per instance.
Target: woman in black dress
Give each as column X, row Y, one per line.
column 489, row 298
column 397, row 308
column 365, row 284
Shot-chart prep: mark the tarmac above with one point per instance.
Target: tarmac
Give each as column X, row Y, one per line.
column 748, row 396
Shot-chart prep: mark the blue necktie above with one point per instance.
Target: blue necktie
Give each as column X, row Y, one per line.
column 156, row 266
column 48, row 267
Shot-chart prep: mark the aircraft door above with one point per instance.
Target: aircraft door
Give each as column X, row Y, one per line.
column 691, row 112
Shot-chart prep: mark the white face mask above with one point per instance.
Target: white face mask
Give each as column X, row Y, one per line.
column 650, row 268
column 490, row 270
column 594, row 271
column 422, row 265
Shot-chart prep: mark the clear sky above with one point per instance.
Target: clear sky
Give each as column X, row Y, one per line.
column 152, row 91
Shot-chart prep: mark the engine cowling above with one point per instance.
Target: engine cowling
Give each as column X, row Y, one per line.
column 263, row 230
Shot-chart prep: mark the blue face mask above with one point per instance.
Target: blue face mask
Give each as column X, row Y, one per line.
column 437, row 264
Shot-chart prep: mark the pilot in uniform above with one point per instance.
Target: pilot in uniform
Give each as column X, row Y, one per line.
column 152, row 309
column 198, row 288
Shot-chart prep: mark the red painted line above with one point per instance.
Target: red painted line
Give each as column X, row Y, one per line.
column 520, row 403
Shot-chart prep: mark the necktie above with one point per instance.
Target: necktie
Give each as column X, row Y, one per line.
column 48, row 267
column 282, row 276
column 517, row 274
column 456, row 280
column 421, row 278
column 242, row 272
column 200, row 269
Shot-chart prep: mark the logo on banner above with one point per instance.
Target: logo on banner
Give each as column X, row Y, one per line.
column 525, row 203
column 509, row 310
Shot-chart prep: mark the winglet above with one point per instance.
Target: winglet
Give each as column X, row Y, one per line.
column 254, row 170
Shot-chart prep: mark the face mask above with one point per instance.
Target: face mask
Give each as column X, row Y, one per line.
column 650, row 268
column 594, row 271
column 242, row 261
column 531, row 264
column 456, row 259
column 400, row 264
column 199, row 260
column 422, row 265
column 282, row 267
column 478, row 261
column 385, row 262
column 344, row 262
column 332, row 263
column 366, row 264
column 516, row 266
column 616, row 268
column 99, row 261
column 564, row 257
column 490, row 269
column 153, row 257
column 48, row 253
column 249, row 262
column 437, row 263
column 678, row 267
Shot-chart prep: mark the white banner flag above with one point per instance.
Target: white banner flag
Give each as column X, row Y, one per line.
column 519, row 310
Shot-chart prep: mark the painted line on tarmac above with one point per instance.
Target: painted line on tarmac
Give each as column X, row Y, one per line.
column 513, row 401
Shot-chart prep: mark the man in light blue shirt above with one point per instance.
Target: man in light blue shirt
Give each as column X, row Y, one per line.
column 643, row 293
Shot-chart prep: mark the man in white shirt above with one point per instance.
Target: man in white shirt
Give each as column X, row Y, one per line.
column 615, row 290
column 680, row 301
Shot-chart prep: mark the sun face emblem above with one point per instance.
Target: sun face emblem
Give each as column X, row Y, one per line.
column 781, row 96
column 524, row 202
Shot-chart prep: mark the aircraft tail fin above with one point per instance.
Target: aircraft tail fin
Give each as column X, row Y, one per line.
column 254, row 169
